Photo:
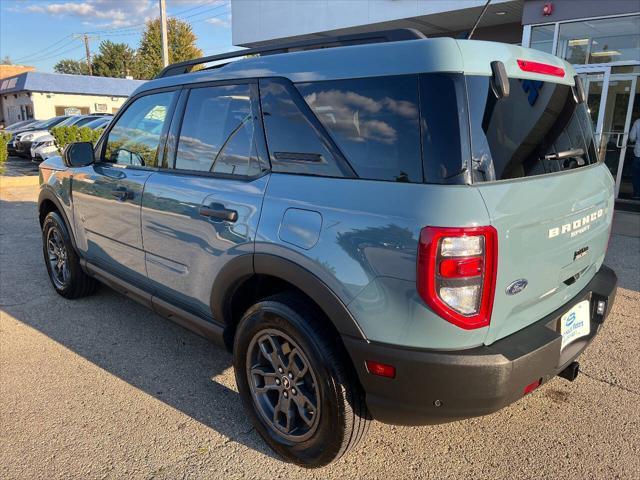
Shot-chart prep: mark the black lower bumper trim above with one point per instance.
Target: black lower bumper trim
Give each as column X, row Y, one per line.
column 436, row 387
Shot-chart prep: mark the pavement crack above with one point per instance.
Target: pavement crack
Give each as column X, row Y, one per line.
column 611, row 384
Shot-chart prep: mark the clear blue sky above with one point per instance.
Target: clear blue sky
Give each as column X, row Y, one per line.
column 39, row 33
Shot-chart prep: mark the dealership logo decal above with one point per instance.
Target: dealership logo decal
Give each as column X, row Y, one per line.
column 578, row 226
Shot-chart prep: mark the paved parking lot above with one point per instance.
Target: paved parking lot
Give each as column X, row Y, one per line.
column 103, row 388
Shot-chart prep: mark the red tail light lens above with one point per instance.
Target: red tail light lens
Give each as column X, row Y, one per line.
column 457, row 272
column 544, row 68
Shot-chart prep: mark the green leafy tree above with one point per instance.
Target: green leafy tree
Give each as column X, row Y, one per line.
column 73, row 67
column 114, row 60
column 181, row 42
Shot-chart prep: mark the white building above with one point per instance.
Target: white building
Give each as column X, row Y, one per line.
column 44, row 95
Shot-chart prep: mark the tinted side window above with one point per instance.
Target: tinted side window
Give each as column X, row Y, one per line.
column 135, row 137
column 296, row 144
column 375, row 123
column 217, row 133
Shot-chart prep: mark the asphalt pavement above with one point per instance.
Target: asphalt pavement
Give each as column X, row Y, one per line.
column 103, row 388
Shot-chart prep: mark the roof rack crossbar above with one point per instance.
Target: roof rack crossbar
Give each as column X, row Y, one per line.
column 381, row 36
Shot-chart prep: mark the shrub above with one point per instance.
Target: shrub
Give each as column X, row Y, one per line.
column 65, row 135
column 4, row 140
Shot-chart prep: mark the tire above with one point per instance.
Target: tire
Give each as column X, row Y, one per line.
column 62, row 261
column 327, row 411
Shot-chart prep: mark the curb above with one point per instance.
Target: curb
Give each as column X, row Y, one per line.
column 23, row 181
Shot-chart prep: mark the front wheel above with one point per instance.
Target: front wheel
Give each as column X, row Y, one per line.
column 63, row 264
column 295, row 384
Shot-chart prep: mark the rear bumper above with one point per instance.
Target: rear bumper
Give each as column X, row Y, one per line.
column 440, row 386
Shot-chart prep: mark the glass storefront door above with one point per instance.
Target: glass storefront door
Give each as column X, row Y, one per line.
column 614, row 105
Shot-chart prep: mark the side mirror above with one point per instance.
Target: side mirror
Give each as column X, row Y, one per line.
column 78, row 154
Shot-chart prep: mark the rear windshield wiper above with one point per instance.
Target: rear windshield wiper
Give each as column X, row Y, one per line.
column 576, row 152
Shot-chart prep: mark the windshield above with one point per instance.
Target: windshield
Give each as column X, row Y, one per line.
column 52, row 122
column 69, row 121
column 24, row 123
column 539, row 128
column 99, row 123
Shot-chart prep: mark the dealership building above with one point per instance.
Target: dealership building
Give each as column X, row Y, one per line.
column 42, row 95
column 601, row 38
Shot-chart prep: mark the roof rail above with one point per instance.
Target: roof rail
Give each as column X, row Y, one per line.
column 380, row 36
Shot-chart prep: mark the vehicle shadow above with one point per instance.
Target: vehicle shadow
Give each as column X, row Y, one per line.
column 120, row 336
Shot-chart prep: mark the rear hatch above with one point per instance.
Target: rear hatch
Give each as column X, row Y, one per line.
column 535, row 165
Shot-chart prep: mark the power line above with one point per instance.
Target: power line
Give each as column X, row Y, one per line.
column 42, row 51
column 57, row 55
column 140, row 26
column 50, row 52
column 137, row 31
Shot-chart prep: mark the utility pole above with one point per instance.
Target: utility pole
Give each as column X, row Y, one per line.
column 163, row 29
column 87, row 51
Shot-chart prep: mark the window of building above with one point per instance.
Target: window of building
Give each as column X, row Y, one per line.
column 542, row 38
column 605, row 40
column 375, row 123
column 218, row 131
column 135, row 137
column 295, row 138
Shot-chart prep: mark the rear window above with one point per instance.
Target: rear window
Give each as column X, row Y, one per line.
column 539, row 128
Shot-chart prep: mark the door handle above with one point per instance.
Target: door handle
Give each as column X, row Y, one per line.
column 219, row 212
column 623, row 143
column 122, row 194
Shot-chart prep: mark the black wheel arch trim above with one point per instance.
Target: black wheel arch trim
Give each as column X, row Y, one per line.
column 244, row 266
column 48, row 194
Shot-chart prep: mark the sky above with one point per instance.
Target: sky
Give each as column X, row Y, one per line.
column 40, row 32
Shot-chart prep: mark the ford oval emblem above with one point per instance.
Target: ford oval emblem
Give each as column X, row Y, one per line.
column 517, row 286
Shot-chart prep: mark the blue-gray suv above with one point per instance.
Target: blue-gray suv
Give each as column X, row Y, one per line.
column 409, row 230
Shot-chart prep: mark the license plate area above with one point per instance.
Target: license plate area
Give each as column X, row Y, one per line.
column 575, row 323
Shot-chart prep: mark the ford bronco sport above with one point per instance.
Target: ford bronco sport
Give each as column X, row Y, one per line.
column 403, row 229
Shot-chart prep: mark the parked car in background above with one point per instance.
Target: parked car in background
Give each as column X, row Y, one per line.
column 44, row 146
column 23, row 140
column 17, row 130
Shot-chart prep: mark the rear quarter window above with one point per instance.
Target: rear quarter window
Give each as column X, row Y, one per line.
column 374, row 121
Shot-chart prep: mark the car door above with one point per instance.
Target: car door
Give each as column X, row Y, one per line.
column 203, row 212
column 107, row 195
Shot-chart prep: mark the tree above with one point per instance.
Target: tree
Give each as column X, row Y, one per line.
column 114, row 60
column 6, row 60
column 181, row 41
column 73, row 67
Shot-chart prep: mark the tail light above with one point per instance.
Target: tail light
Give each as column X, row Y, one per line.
column 457, row 273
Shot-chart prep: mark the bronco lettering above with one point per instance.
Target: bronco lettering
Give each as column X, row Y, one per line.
column 578, row 226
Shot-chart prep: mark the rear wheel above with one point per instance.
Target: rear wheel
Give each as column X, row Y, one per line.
column 295, row 385
column 63, row 264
